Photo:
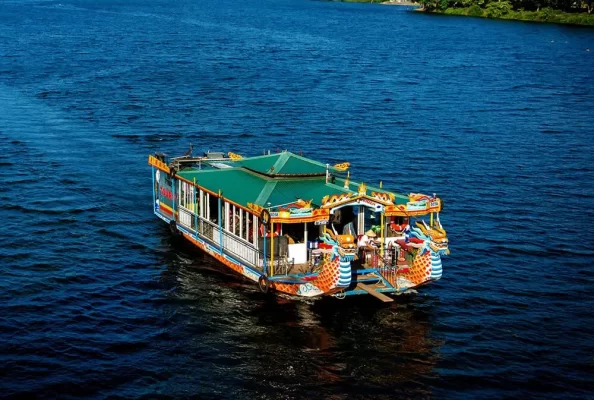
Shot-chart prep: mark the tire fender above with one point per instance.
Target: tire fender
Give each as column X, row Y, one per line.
column 264, row 284
column 173, row 228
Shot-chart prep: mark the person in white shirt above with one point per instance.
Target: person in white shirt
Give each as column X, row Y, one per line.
column 367, row 246
column 368, row 241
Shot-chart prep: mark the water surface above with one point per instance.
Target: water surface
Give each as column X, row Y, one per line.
column 96, row 300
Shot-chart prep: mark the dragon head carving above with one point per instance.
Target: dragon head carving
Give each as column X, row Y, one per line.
column 435, row 239
column 336, row 266
column 343, row 246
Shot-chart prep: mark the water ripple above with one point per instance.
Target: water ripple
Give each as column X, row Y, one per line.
column 99, row 301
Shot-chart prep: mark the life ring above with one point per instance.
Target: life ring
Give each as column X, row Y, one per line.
column 264, row 284
column 173, row 228
column 265, row 217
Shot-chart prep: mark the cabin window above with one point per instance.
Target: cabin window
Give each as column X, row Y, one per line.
column 195, row 201
column 236, row 221
column 372, row 221
column 230, row 217
column 361, row 220
column 186, row 198
column 311, row 232
column 202, row 201
column 213, row 209
column 242, row 224
column 295, row 232
column 246, row 226
column 396, row 226
column 255, row 230
column 345, row 221
column 182, row 193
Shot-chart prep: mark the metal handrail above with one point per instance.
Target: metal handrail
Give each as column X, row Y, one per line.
column 239, row 248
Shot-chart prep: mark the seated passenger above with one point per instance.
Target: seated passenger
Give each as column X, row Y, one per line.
column 368, row 241
column 290, row 240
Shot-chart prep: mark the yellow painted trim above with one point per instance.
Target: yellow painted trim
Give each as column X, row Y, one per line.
column 400, row 210
column 297, row 220
column 356, row 198
column 159, row 164
column 165, row 206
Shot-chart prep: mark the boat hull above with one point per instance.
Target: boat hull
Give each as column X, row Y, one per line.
column 300, row 285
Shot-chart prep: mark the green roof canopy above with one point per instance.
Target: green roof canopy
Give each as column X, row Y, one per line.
column 243, row 186
column 284, row 164
column 273, row 180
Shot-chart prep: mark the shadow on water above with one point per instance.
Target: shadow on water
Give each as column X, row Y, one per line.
column 278, row 346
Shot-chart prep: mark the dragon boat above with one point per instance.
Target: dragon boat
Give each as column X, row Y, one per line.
column 300, row 227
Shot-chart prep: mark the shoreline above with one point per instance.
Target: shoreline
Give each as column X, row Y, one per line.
column 384, row 2
column 402, row 3
column 542, row 16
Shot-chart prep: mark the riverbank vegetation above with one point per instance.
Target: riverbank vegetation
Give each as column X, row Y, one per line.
column 576, row 12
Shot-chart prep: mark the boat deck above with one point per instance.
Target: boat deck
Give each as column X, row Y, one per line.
column 282, row 267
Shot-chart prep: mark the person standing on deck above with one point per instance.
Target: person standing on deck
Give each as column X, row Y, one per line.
column 367, row 245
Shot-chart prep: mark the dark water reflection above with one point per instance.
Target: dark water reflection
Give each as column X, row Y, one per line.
column 301, row 348
column 96, row 300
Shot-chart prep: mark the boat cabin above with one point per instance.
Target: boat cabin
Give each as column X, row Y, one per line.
column 269, row 214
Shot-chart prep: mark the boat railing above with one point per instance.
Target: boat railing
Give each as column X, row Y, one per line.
column 281, row 263
column 277, row 257
column 390, row 256
column 231, row 244
column 242, row 249
column 209, row 230
column 187, row 218
column 196, row 223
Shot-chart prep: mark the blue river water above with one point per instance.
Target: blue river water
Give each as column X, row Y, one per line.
column 98, row 301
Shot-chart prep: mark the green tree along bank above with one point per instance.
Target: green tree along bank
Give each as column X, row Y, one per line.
column 577, row 12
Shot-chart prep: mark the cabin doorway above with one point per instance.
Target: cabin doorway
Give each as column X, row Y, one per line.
column 345, row 221
column 355, row 220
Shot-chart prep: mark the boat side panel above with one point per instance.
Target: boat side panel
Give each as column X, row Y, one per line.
column 306, row 289
column 224, row 258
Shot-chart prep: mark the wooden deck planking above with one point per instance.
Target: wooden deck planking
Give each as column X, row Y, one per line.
column 374, row 293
